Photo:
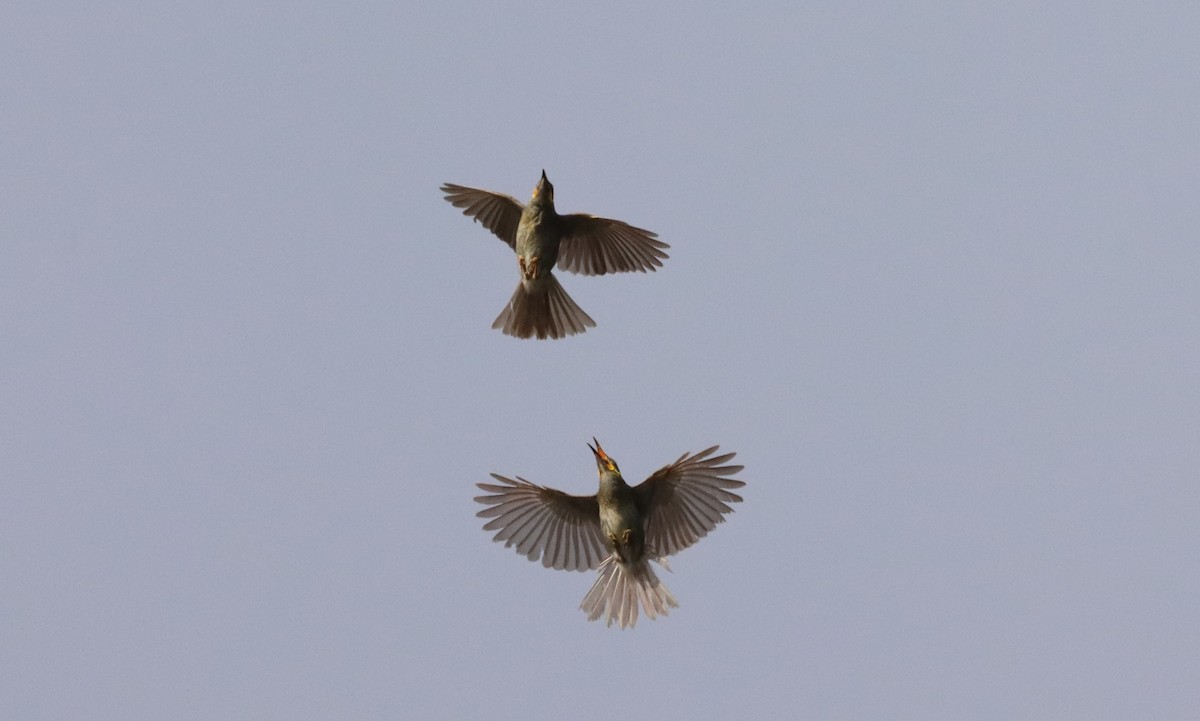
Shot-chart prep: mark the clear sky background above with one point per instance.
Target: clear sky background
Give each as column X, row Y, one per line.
column 933, row 276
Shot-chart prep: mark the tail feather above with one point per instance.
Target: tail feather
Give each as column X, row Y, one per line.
column 619, row 590
column 543, row 309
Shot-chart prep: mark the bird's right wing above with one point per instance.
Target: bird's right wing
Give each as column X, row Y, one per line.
column 498, row 213
column 685, row 500
column 595, row 246
column 561, row 529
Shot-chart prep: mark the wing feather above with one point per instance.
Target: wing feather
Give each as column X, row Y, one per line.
column 684, row 501
column 595, row 246
column 498, row 213
column 560, row 530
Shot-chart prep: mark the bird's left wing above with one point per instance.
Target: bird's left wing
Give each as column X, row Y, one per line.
column 682, row 502
column 560, row 529
column 498, row 213
column 595, row 246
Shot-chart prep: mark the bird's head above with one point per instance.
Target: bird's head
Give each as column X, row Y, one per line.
column 544, row 191
column 604, row 464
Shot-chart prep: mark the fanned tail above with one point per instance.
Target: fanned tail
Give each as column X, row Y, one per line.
column 620, row 589
column 543, row 309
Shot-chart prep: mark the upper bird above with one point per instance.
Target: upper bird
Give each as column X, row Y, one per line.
column 542, row 238
column 619, row 530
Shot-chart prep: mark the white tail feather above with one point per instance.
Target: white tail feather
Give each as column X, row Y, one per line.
column 619, row 590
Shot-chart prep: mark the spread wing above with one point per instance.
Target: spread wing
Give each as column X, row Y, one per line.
column 498, row 213
column 595, row 246
column 561, row 529
column 682, row 502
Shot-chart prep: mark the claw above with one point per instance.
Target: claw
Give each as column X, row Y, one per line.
column 619, row 544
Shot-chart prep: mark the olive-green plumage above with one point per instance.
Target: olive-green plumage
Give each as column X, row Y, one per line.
column 619, row 530
column 543, row 239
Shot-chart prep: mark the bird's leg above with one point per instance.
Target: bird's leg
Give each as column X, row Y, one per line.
column 620, row 544
column 531, row 268
column 521, row 264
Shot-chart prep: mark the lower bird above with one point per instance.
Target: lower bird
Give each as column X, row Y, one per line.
column 619, row 530
column 542, row 238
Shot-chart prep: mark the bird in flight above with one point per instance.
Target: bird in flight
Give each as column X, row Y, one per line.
column 619, row 530
column 543, row 239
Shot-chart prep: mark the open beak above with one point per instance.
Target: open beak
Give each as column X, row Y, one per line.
column 602, row 460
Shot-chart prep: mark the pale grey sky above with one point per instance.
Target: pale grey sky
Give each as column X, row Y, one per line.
column 933, row 277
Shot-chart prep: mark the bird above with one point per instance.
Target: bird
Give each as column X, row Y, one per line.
column 617, row 531
column 543, row 239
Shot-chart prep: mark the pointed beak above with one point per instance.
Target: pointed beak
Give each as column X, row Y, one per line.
column 544, row 178
column 601, row 457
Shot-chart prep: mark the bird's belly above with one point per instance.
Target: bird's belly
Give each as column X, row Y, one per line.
column 617, row 518
column 537, row 242
column 622, row 526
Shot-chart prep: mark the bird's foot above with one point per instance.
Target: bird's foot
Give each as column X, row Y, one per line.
column 614, row 544
column 627, row 537
column 529, row 268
